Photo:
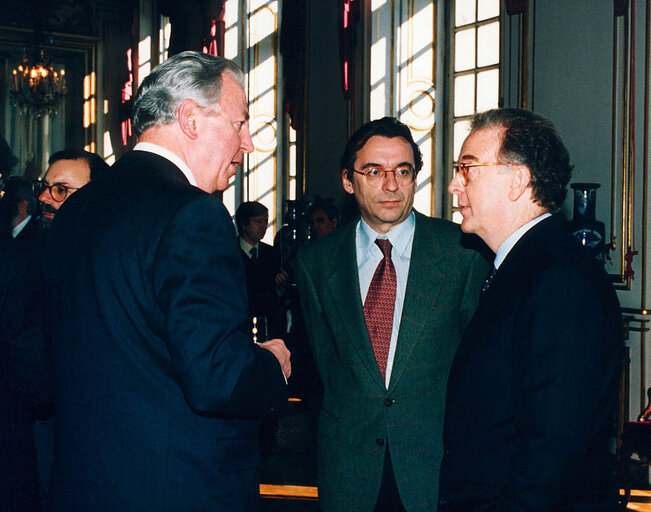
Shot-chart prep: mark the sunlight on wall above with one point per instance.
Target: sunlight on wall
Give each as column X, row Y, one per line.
column 108, row 155
column 90, row 106
column 291, row 165
column 164, row 33
column 379, row 78
column 144, row 58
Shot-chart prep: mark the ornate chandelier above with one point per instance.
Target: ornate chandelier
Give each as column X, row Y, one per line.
column 36, row 88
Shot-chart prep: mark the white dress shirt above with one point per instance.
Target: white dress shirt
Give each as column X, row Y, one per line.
column 369, row 256
column 246, row 247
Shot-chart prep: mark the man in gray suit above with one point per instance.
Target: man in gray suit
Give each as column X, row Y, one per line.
column 385, row 301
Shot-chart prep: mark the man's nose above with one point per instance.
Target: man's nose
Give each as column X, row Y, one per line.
column 389, row 182
column 247, row 142
column 455, row 186
column 43, row 195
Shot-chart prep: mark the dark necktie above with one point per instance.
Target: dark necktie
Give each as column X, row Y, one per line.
column 254, row 254
column 488, row 281
column 379, row 305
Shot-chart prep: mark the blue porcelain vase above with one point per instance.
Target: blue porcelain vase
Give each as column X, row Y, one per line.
column 587, row 230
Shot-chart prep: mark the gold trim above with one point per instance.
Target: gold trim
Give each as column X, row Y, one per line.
column 433, row 175
column 622, row 235
column 300, row 492
column 645, row 165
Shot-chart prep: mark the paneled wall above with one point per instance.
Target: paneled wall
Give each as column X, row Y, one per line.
column 590, row 75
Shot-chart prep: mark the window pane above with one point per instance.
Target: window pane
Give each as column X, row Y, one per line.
column 488, row 9
column 488, row 89
column 461, row 131
column 464, row 12
column 464, row 95
column 464, row 49
column 488, row 44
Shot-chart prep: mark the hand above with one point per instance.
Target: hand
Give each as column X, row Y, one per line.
column 281, row 278
column 277, row 347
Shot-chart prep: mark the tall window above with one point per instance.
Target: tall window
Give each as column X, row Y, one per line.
column 251, row 40
column 475, row 63
column 402, row 77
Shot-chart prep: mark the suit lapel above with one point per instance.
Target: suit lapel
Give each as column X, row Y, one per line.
column 423, row 286
column 343, row 285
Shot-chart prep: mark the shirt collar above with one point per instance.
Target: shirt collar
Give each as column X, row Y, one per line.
column 399, row 236
column 19, row 227
column 168, row 155
column 246, row 246
column 508, row 244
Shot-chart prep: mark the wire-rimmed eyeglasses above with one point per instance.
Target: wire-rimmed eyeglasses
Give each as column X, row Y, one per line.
column 461, row 170
column 375, row 176
column 58, row 191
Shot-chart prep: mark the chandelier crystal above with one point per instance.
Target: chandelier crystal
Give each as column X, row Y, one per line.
column 37, row 88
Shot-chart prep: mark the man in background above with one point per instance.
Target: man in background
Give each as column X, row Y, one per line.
column 159, row 388
column 533, row 387
column 68, row 171
column 17, row 211
column 324, row 218
column 385, row 301
column 266, row 281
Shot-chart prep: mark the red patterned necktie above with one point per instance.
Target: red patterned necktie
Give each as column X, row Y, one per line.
column 379, row 305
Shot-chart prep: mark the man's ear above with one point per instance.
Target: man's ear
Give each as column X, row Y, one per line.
column 520, row 181
column 348, row 185
column 187, row 114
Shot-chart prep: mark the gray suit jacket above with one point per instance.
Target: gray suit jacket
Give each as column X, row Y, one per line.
column 359, row 414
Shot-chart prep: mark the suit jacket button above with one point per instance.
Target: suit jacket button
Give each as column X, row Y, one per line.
column 380, row 442
column 389, row 402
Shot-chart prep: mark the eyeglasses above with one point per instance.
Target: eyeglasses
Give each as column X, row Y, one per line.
column 375, row 176
column 58, row 191
column 461, row 170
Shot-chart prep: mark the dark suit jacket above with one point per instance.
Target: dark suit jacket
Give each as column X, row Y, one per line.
column 25, row 391
column 533, row 386
column 159, row 390
column 359, row 414
column 261, row 287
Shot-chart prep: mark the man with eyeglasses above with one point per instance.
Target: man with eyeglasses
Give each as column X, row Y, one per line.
column 533, row 388
column 159, row 388
column 68, row 170
column 385, row 301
